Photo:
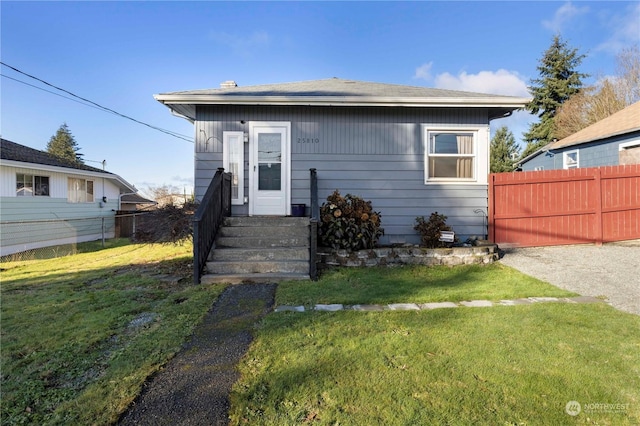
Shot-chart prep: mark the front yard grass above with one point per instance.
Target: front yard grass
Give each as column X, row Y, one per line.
column 504, row 365
column 80, row 334
column 416, row 284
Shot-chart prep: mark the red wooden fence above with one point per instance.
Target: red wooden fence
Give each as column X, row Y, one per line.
column 554, row 207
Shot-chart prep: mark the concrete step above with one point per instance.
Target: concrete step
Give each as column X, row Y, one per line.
column 257, row 255
column 261, row 242
column 242, row 267
column 265, row 221
column 252, row 278
column 265, row 231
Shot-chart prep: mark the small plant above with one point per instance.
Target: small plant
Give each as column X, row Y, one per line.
column 349, row 222
column 430, row 230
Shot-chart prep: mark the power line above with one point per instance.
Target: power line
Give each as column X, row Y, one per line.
column 94, row 104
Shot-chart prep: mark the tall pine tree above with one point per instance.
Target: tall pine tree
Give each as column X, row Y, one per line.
column 558, row 81
column 63, row 145
column 503, row 151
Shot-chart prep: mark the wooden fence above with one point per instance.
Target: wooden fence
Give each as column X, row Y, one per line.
column 555, row 207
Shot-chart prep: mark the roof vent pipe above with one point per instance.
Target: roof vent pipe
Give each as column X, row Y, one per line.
column 229, row 84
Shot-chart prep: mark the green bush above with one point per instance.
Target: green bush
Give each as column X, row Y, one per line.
column 348, row 222
column 430, row 230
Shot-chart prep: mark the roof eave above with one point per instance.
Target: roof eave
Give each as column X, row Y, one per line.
column 123, row 184
column 208, row 99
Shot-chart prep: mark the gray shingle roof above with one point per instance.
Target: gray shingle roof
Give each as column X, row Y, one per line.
column 335, row 87
column 16, row 152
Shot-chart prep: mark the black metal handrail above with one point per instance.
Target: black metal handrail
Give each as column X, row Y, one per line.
column 315, row 216
column 214, row 207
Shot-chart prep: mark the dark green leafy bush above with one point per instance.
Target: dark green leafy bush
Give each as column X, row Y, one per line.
column 349, row 222
column 430, row 230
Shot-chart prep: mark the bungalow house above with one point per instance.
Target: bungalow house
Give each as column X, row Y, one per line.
column 46, row 201
column 612, row 141
column 409, row 150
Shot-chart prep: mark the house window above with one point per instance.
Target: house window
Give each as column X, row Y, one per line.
column 233, row 162
column 80, row 191
column 31, row 185
column 450, row 155
column 570, row 160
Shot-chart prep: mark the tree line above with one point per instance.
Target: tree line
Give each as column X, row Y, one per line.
column 563, row 104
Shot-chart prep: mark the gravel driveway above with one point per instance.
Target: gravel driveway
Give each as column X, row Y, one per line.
column 611, row 270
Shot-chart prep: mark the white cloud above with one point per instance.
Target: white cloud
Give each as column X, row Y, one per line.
column 563, row 16
column 624, row 29
column 501, row 82
column 424, row 71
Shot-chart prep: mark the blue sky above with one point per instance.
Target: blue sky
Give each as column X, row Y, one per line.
column 118, row 54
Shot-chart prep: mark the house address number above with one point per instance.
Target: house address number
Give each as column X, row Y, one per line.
column 308, row 140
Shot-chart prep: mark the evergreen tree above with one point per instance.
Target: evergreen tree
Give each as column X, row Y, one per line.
column 63, row 145
column 558, row 81
column 504, row 150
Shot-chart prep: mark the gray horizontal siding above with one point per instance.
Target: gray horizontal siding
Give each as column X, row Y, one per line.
column 375, row 153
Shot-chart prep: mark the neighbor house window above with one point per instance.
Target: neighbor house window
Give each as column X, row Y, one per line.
column 570, row 160
column 450, row 155
column 80, row 191
column 31, row 185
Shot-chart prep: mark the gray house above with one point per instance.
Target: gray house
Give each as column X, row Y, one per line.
column 409, row 150
column 612, row 141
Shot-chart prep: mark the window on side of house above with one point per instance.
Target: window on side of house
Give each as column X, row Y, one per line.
column 80, row 190
column 450, row 155
column 571, row 159
column 31, row 185
column 233, row 162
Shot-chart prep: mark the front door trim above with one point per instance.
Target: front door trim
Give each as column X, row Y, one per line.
column 254, row 199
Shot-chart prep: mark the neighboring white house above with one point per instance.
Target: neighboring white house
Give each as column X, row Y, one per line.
column 46, row 201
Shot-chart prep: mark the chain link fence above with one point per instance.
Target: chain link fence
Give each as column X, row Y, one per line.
column 46, row 239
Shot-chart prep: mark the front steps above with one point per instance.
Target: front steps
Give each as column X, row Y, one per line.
column 259, row 249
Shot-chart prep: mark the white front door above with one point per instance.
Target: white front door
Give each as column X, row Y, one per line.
column 269, row 168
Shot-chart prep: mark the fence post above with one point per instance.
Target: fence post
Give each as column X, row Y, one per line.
column 102, row 232
column 598, row 194
column 491, row 211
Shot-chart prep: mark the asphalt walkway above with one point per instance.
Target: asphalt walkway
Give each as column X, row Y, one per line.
column 194, row 387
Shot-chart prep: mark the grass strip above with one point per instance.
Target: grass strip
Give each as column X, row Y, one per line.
column 415, row 284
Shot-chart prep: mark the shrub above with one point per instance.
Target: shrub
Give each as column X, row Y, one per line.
column 168, row 224
column 430, row 230
column 349, row 222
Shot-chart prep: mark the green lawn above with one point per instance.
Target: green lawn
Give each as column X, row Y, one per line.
column 505, row 365
column 81, row 333
column 416, row 284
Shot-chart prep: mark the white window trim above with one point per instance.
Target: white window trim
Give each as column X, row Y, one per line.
column 227, row 138
column 565, row 155
column 629, row 145
column 480, row 149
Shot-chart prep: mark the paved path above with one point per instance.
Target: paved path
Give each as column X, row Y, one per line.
column 611, row 271
column 439, row 305
column 193, row 388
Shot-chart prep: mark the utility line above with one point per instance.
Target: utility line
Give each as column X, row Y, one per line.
column 168, row 132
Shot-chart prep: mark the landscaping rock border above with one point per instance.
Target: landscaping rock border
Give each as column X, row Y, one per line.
column 392, row 256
